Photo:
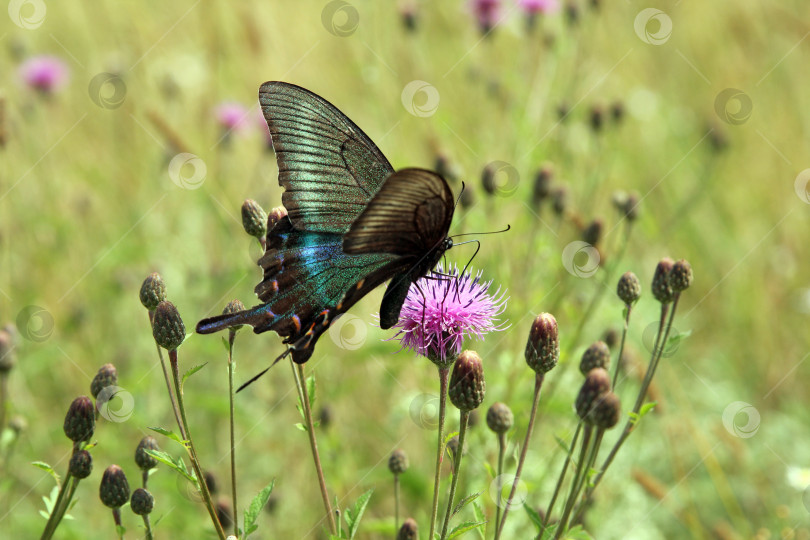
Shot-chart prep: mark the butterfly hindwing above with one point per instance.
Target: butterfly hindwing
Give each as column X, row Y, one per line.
column 329, row 168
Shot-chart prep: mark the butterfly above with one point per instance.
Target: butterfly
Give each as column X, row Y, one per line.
column 352, row 224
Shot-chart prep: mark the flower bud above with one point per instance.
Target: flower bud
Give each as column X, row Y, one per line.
column 224, row 514
column 81, row 464
column 276, row 214
column 681, row 277
column 467, row 386
column 153, row 291
column 661, row 285
column 106, row 376
column 617, row 111
column 542, row 185
column 597, row 355
column 80, row 421
column 488, row 179
column 629, row 288
column 543, row 348
column 593, row 232
column 559, row 200
column 143, row 460
column 606, row 411
column 254, row 219
column 500, row 418
column 408, row 531
column 167, row 326
column 611, row 337
column 7, row 356
column 597, row 382
column 234, row 306
column 597, row 118
column 142, row 502
column 114, row 490
column 398, row 462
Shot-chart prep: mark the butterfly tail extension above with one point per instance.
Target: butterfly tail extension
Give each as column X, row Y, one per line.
column 256, row 317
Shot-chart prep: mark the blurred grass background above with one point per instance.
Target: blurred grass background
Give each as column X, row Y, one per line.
column 87, row 210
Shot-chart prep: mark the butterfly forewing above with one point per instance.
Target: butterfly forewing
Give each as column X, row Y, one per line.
column 329, row 168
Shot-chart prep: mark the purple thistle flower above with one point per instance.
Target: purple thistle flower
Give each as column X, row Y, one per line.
column 539, row 6
column 486, row 11
column 452, row 309
column 44, row 73
column 232, row 116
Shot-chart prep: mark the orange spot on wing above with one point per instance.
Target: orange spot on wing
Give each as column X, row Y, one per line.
column 297, row 322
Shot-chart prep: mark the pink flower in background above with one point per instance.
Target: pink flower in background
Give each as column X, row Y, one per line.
column 44, row 73
column 451, row 310
column 232, row 116
column 539, row 6
column 486, row 11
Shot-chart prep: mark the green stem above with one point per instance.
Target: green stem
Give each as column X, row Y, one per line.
column 203, row 486
column 313, row 443
column 58, row 508
column 465, row 416
column 658, row 349
column 576, row 484
column 560, row 480
column 538, row 384
column 148, row 526
column 231, row 367
column 629, row 308
column 116, row 512
column 3, row 399
column 443, row 377
column 396, row 502
column 499, row 479
column 168, row 384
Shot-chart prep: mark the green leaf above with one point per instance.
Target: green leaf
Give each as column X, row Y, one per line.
column 673, row 341
column 464, row 527
column 549, row 532
column 48, row 469
column 226, row 344
column 311, row 390
column 300, row 426
column 256, row 505
column 121, row 530
column 170, row 434
column 534, row 516
column 562, row 444
column 191, row 372
column 646, row 408
column 464, row 502
column 490, row 470
column 355, row 513
column 478, row 512
column 173, row 463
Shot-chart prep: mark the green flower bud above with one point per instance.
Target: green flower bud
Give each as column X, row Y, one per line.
column 681, row 276
column 629, row 288
column 106, row 376
column 142, row 502
column 606, row 411
column 81, row 464
column 467, row 385
column 408, row 531
column 254, row 219
column 80, row 421
column 114, row 489
column 398, row 462
column 167, row 326
column 597, row 383
column 597, row 355
column 661, row 284
column 142, row 459
column 153, row 291
column 543, row 347
column 500, row 418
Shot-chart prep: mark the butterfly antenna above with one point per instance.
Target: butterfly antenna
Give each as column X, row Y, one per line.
column 255, row 378
column 458, row 199
column 508, row 227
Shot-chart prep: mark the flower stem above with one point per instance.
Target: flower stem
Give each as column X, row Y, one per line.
column 629, row 308
column 538, row 384
column 464, row 418
column 499, row 479
column 300, row 380
column 168, row 384
column 231, row 367
column 576, row 484
column 3, row 399
column 560, row 480
column 396, row 502
column 148, row 526
column 203, row 486
column 658, row 350
column 58, row 508
column 443, row 378
column 116, row 512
